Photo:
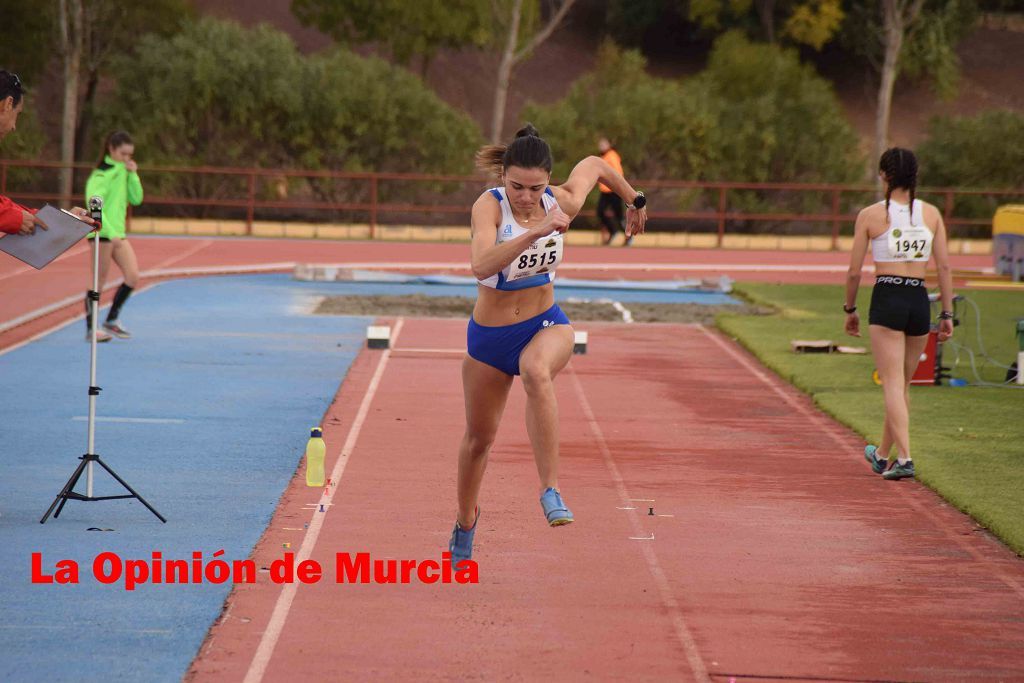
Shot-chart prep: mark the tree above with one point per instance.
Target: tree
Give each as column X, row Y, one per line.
column 71, row 17
column 804, row 22
column 407, row 29
column 975, row 152
column 915, row 36
column 658, row 125
column 521, row 38
column 113, row 27
column 754, row 114
column 776, row 119
column 221, row 95
column 89, row 34
column 26, row 49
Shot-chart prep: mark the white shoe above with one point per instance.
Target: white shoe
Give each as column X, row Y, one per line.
column 114, row 328
column 101, row 336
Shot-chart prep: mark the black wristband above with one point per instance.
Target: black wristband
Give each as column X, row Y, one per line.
column 946, row 315
column 851, row 309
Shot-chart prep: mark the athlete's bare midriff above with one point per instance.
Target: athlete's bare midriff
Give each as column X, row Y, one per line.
column 497, row 308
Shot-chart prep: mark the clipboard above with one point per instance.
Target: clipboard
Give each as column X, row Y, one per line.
column 64, row 229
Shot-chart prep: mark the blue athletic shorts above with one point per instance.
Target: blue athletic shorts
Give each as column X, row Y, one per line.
column 500, row 347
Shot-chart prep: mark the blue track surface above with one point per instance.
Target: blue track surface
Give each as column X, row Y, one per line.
column 235, row 370
column 247, row 374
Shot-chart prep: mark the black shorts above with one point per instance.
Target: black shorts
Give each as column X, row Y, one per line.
column 901, row 304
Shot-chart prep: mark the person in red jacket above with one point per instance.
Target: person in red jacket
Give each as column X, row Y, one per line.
column 14, row 218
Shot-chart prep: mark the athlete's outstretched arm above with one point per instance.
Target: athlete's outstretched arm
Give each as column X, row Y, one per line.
column 860, row 248
column 488, row 257
column 572, row 194
column 940, row 252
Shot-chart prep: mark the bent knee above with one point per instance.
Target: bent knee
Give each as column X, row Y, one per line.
column 478, row 445
column 536, row 376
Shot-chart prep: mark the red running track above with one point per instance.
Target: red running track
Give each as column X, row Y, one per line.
column 775, row 555
column 773, row 552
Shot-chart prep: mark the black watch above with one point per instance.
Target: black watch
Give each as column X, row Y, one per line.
column 946, row 315
column 639, row 201
column 851, row 309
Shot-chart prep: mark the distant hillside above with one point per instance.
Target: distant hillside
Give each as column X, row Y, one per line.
column 992, row 61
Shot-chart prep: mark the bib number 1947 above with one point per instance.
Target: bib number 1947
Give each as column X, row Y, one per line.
column 910, row 244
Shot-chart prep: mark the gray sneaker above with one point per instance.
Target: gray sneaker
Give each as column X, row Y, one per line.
column 101, row 336
column 871, row 455
column 116, row 329
column 898, row 471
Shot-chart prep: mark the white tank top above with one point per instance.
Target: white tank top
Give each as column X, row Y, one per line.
column 536, row 265
column 905, row 241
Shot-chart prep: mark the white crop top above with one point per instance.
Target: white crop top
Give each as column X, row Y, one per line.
column 536, row 265
column 903, row 241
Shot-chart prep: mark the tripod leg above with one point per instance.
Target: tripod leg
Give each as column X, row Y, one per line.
column 63, row 495
column 131, row 490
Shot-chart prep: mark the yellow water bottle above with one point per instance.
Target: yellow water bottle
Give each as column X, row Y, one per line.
column 315, row 451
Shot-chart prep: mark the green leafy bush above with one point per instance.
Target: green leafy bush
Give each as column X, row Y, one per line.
column 981, row 152
column 754, row 114
column 218, row 94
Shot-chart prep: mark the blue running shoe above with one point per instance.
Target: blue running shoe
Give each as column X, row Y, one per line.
column 898, row 471
column 461, row 543
column 871, row 455
column 554, row 508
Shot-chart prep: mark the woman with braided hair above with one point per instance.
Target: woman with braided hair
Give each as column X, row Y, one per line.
column 516, row 327
column 903, row 232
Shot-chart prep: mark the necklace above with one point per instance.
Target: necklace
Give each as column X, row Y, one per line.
column 521, row 220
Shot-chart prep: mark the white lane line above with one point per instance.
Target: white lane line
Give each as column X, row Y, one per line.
column 67, row 301
column 134, row 420
column 74, row 319
column 184, row 255
column 421, row 350
column 70, row 253
column 842, row 442
column 627, row 315
column 685, row 637
column 45, row 310
column 217, row 270
column 265, row 650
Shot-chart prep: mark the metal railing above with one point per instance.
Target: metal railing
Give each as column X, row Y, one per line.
column 715, row 207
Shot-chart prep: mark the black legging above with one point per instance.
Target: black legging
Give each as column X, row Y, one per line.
column 610, row 202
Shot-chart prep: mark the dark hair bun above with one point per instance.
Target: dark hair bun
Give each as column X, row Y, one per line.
column 527, row 130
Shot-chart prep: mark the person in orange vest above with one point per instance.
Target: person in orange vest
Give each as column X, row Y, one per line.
column 609, row 205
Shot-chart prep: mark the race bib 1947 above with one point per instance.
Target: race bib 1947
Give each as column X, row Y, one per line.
column 910, row 243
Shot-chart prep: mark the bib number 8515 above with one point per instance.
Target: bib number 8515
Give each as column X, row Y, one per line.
column 533, row 261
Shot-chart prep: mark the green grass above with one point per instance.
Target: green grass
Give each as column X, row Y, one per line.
column 968, row 442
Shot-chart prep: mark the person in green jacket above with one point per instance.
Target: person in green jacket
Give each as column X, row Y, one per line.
column 116, row 180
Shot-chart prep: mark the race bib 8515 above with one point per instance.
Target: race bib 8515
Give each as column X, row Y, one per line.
column 543, row 256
